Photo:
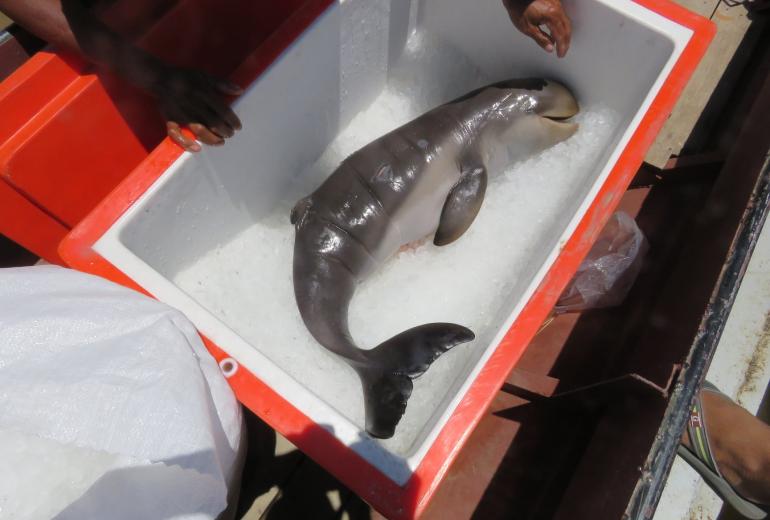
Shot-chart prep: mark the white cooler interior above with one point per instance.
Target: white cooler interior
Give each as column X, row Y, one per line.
column 212, row 235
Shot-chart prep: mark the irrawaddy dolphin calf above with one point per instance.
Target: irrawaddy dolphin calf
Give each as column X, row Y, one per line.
column 425, row 178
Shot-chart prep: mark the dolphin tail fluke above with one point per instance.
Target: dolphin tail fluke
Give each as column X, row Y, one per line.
column 387, row 378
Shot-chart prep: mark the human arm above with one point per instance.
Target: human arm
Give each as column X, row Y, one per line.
column 185, row 97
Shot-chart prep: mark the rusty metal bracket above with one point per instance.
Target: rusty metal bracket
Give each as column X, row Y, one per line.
column 529, row 385
column 542, row 389
column 751, row 5
column 688, row 168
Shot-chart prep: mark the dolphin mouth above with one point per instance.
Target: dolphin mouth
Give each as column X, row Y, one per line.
column 560, row 127
column 560, row 117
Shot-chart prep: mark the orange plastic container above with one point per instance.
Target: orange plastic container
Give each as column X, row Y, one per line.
column 312, row 77
column 68, row 136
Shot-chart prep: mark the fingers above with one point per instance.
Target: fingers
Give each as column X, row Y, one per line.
column 194, row 99
column 230, row 118
column 530, row 15
column 541, row 37
column 210, row 120
column 206, row 135
column 202, row 133
column 223, row 109
column 216, row 115
column 209, row 109
column 561, row 32
column 222, row 116
column 228, row 88
column 175, row 133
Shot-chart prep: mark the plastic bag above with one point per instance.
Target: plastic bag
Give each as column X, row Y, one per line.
column 610, row 269
column 111, row 406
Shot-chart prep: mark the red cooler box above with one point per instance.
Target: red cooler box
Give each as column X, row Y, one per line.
column 209, row 233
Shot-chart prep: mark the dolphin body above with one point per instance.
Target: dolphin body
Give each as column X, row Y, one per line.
column 425, row 178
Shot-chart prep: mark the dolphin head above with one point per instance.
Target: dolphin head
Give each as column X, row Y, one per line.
column 530, row 116
column 546, row 110
column 554, row 101
column 554, row 105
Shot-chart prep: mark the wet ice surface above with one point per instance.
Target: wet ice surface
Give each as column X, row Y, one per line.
column 475, row 282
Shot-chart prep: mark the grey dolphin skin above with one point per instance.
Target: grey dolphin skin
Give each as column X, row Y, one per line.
column 425, row 178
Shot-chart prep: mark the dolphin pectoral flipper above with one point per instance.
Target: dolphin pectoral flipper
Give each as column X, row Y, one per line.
column 387, row 375
column 462, row 205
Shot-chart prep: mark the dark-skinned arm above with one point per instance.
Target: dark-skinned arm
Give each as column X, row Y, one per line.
column 185, row 97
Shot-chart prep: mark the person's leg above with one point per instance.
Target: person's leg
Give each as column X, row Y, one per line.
column 740, row 446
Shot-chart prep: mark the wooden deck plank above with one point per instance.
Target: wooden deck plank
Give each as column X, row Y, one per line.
column 702, row 7
column 4, row 22
column 732, row 24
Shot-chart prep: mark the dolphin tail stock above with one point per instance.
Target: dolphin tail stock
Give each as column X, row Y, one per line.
column 388, row 370
column 323, row 286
